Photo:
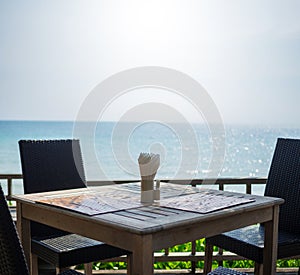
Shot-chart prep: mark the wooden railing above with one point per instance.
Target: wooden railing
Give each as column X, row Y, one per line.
column 221, row 182
column 193, row 256
column 9, row 181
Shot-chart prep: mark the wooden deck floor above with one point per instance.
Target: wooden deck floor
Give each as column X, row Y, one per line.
column 182, row 272
column 290, row 271
column 166, row 273
column 46, row 269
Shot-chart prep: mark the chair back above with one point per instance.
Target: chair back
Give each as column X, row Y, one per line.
column 284, row 182
column 12, row 259
column 50, row 165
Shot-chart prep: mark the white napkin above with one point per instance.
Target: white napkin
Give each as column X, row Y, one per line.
column 149, row 164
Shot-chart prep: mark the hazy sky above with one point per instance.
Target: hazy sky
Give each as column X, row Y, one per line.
column 246, row 54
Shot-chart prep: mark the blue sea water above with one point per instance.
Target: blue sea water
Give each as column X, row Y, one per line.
column 112, row 149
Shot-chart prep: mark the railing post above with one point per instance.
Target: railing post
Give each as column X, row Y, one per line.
column 221, row 186
column 167, row 251
column 248, row 187
column 193, row 252
column 9, row 188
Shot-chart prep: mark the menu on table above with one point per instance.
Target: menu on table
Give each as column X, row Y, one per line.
column 91, row 204
column 206, row 201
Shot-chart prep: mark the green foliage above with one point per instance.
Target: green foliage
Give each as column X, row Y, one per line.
column 200, row 246
column 110, row 265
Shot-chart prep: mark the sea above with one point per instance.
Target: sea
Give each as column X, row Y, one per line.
column 111, row 149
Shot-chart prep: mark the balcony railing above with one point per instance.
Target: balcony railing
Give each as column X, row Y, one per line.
column 244, row 185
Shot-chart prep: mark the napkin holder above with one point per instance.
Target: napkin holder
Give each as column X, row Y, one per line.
column 147, row 192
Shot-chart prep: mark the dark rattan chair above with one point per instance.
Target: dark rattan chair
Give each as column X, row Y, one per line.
column 283, row 182
column 225, row 271
column 57, row 165
column 12, row 259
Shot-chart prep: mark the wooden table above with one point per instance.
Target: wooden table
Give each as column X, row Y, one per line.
column 114, row 214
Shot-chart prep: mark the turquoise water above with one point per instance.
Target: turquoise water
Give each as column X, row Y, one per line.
column 185, row 151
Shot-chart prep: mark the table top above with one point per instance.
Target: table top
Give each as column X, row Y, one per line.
column 119, row 206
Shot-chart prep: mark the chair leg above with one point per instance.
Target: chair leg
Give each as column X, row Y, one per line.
column 34, row 264
column 88, row 268
column 258, row 269
column 208, row 258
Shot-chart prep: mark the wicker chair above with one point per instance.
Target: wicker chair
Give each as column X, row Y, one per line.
column 57, row 165
column 12, row 259
column 225, row 271
column 284, row 182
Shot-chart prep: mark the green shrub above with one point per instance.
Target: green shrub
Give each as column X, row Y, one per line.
column 200, row 246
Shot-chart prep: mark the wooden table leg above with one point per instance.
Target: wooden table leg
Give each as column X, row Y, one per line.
column 23, row 226
column 271, row 242
column 141, row 260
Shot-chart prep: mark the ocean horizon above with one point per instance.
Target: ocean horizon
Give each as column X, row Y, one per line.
column 111, row 150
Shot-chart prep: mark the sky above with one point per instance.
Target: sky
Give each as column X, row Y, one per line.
column 245, row 54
